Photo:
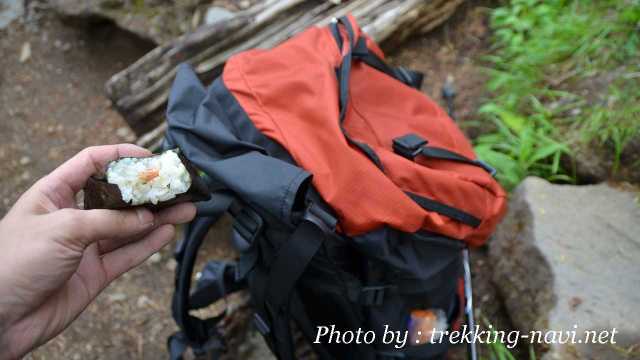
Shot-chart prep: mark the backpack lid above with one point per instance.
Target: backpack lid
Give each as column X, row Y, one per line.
column 291, row 94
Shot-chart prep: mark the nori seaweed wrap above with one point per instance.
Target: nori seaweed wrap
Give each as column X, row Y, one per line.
column 155, row 182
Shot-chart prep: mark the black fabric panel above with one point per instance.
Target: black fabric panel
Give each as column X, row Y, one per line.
column 446, row 210
column 418, row 255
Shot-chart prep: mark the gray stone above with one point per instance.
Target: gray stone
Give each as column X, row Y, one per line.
column 570, row 255
column 154, row 20
column 9, row 11
column 215, row 14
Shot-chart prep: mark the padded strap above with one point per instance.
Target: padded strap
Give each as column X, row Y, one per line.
column 217, row 279
column 290, row 263
column 196, row 330
column 178, row 345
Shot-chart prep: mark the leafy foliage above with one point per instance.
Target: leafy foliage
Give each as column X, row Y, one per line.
column 543, row 52
column 521, row 146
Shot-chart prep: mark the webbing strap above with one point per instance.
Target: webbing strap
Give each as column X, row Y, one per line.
column 444, row 154
column 291, row 262
column 361, row 52
column 292, row 259
column 412, row 145
column 444, row 209
column 343, row 73
column 408, row 77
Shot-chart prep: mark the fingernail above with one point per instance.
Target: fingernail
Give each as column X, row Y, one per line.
column 145, row 216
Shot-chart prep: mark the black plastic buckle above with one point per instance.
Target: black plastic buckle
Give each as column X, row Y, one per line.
column 373, row 295
column 408, row 146
column 247, row 224
column 212, row 349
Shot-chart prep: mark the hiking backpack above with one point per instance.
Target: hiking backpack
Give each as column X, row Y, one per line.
column 353, row 196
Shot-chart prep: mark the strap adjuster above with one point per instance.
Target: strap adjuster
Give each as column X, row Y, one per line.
column 247, row 225
column 321, row 218
column 371, row 295
column 408, row 146
column 260, row 324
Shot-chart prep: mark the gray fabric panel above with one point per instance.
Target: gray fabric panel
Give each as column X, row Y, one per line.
column 197, row 126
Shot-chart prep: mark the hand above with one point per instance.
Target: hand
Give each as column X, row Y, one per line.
column 55, row 259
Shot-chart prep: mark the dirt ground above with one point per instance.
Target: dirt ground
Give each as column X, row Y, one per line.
column 52, row 105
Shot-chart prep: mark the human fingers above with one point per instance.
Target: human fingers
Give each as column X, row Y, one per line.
column 108, row 245
column 82, row 227
column 129, row 256
column 92, row 160
column 176, row 214
column 57, row 190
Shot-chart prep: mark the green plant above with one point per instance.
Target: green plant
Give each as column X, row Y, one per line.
column 521, row 146
column 545, row 56
column 617, row 121
column 498, row 350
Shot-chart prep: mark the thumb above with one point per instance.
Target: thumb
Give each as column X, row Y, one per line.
column 83, row 227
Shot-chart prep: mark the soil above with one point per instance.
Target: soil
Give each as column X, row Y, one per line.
column 53, row 105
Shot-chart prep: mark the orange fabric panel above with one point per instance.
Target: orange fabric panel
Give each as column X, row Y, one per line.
column 291, row 94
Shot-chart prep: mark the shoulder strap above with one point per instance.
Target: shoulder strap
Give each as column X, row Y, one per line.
column 274, row 292
column 200, row 334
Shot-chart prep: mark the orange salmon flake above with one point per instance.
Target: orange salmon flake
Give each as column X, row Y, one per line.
column 149, row 174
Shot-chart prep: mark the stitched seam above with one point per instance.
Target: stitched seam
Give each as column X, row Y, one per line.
column 262, row 107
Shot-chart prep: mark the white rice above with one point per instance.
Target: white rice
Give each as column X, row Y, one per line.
column 169, row 178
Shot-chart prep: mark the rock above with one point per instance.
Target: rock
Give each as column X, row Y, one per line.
column 215, row 14
column 595, row 162
column 125, row 133
column 9, row 11
column 143, row 301
column 25, row 160
column 116, row 297
column 155, row 20
column 25, row 52
column 568, row 255
column 155, row 258
column 171, row 264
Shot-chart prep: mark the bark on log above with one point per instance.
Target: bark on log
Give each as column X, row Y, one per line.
column 140, row 91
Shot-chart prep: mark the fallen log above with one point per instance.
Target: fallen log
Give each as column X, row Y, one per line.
column 140, row 91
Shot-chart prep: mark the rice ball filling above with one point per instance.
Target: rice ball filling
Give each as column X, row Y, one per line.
column 149, row 180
